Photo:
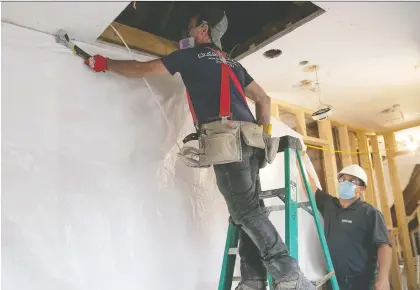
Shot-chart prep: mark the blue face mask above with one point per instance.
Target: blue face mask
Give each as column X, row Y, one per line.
column 346, row 190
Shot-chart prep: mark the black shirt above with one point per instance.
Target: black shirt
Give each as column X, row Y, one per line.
column 200, row 70
column 353, row 234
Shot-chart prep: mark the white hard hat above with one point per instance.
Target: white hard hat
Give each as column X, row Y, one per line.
column 356, row 171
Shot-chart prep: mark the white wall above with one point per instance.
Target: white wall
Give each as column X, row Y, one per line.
column 93, row 196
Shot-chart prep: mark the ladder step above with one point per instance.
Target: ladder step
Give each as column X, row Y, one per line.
column 269, row 209
column 279, row 192
column 303, row 205
column 233, row 251
column 324, row 279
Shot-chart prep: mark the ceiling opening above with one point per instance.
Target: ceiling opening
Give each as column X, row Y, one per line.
column 156, row 27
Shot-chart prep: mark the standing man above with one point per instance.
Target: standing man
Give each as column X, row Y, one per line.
column 261, row 247
column 356, row 233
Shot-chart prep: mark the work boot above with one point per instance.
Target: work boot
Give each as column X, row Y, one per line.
column 252, row 285
column 294, row 281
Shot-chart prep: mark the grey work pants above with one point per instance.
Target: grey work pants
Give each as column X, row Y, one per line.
column 260, row 243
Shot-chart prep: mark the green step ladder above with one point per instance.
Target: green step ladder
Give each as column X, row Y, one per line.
column 288, row 195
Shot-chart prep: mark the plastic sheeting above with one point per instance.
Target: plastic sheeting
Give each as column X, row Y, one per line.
column 93, row 195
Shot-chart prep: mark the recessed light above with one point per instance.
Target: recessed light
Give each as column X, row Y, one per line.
column 272, row 53
column 304, row 62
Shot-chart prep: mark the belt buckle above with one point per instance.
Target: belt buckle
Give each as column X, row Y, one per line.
column 226, row 120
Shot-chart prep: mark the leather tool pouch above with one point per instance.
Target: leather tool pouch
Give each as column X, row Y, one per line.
column 252, row 135
column 220, row 143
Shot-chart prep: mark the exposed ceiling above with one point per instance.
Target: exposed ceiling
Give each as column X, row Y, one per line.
column 367, row 53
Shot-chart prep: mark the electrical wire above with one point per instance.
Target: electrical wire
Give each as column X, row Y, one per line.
column 189, row 155
column 341, row 151
column 321, row 104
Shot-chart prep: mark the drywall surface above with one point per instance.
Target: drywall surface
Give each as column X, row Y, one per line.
column 93, row 195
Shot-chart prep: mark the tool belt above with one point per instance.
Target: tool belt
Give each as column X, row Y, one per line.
column 220, row 141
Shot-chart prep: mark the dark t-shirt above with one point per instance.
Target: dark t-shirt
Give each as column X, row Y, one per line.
column 200, row 70
column 353, row 235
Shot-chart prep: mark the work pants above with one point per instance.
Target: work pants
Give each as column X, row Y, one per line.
column 260, row 243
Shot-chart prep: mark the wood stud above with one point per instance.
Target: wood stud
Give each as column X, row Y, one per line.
column 343, row 138
column 366, row 164
column 409, row 267
column 383, row 197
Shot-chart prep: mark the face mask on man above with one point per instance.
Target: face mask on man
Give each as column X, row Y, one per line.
column 189, row 41
column 346, row 190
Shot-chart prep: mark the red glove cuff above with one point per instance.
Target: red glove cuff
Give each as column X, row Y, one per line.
column 98, row 63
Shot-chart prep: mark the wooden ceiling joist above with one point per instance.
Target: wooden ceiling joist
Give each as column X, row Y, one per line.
column 138, row 40
column 291, row 108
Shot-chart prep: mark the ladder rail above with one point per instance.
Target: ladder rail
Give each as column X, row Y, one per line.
column 229, row 260
column 319, row 227
column 291, row 208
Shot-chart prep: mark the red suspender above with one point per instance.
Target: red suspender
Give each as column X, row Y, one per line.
column 224, row 106
column 226, row 72
column 192, row 109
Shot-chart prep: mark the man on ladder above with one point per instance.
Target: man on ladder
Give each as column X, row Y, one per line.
column 230, row 138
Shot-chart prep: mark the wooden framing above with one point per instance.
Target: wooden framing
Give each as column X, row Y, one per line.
column 366, row 164
column 380, row 179
column 138, row 39
column 291, row 108
column 353, row 148
column 325, row 142
column 343, row 136
column 395, row 268
column 330, row 164
column 383, row 198
column 409, row 267
column 301, row 123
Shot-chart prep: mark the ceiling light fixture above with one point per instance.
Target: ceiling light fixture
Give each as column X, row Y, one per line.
column 324, row 110
column 272, row 53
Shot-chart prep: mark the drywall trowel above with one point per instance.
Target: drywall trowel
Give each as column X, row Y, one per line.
column 64, row 39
